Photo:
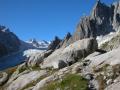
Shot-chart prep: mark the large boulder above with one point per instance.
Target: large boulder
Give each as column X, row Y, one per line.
column 70, row 54
column 111, row 58
column 37, row 58
column 9, row 42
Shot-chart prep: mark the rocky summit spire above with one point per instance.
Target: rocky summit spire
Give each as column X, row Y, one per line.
column 64, row 42
column 100, row 10
column 54, row 44
column 98, row 1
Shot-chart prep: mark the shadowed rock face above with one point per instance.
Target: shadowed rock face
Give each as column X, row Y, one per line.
column 9, row 42
column 54, row 44
column 85, row 29
column 64, row 42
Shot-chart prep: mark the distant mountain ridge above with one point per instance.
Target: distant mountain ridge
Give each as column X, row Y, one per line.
column 14, row 51
column 9, row 42
column 39, row 44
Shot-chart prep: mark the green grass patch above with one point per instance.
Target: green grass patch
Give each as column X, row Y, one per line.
column 69, row 82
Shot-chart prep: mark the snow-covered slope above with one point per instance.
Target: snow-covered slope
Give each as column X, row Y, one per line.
column 42, row 44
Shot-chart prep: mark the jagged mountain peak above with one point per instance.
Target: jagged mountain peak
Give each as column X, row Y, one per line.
column 100, row 10
column 4, row 29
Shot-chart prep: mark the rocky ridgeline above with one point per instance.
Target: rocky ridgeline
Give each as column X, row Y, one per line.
column 103, row 20
column 76, row 61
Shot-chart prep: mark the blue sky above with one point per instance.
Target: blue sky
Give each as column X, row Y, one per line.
column 44, row 19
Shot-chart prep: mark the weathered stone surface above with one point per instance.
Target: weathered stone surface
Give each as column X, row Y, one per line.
column 89, row 76
column 111, row 44
column 116, row 15
column 85, row 29
column 25, row 79
column 37, row 58
column 114, row 86
column 70, row 54
column 111, row 58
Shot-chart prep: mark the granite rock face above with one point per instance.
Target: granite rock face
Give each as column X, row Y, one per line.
column 9, row 42
column 116, row 15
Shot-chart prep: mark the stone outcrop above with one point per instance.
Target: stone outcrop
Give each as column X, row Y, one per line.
column 64, row 43
column 70, row 54
column 54, row 44
column 37, row 58
column 111, row 44
column 9, row 42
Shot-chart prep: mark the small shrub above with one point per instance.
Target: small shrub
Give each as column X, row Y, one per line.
column 103, row 68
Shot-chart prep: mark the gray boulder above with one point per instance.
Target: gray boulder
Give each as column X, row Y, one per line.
column 70, row 54
column 37, row 58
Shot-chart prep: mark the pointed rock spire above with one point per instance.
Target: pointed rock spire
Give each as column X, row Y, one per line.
column 54, row 44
